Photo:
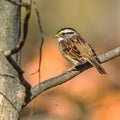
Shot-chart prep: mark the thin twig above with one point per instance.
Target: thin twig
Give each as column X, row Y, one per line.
column 42, row 38
column 66, row 76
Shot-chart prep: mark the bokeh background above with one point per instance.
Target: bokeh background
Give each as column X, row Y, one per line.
column 90, row 95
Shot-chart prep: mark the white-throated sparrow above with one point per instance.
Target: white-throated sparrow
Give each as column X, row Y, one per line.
column 76, row 50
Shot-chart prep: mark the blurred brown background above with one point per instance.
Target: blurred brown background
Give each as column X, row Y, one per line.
column 89, row 96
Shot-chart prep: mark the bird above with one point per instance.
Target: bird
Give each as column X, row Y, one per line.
column 76, row 49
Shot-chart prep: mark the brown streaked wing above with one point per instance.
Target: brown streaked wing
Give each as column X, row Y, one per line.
column 87, row 52
column 73, row 51
column 94, row 53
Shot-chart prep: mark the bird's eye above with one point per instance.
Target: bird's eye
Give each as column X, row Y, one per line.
column 63, row 33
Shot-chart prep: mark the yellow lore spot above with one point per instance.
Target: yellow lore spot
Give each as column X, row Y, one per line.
column 60, row 33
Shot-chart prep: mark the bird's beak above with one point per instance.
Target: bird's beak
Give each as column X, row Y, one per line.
column 56, row 36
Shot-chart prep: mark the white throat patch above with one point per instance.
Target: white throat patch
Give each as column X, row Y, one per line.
column 60, row 39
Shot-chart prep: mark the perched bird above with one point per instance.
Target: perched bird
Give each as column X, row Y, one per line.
column 76, row 49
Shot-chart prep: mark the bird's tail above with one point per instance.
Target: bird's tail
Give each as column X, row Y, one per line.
column 95, row 63
column 99, row 67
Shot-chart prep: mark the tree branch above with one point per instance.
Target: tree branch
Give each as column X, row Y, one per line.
column 110, row 55
column 68, row 75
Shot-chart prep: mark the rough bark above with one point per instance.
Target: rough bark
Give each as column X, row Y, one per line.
column 12, row 93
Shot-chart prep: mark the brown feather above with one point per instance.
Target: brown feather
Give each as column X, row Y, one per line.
column 78, row 51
